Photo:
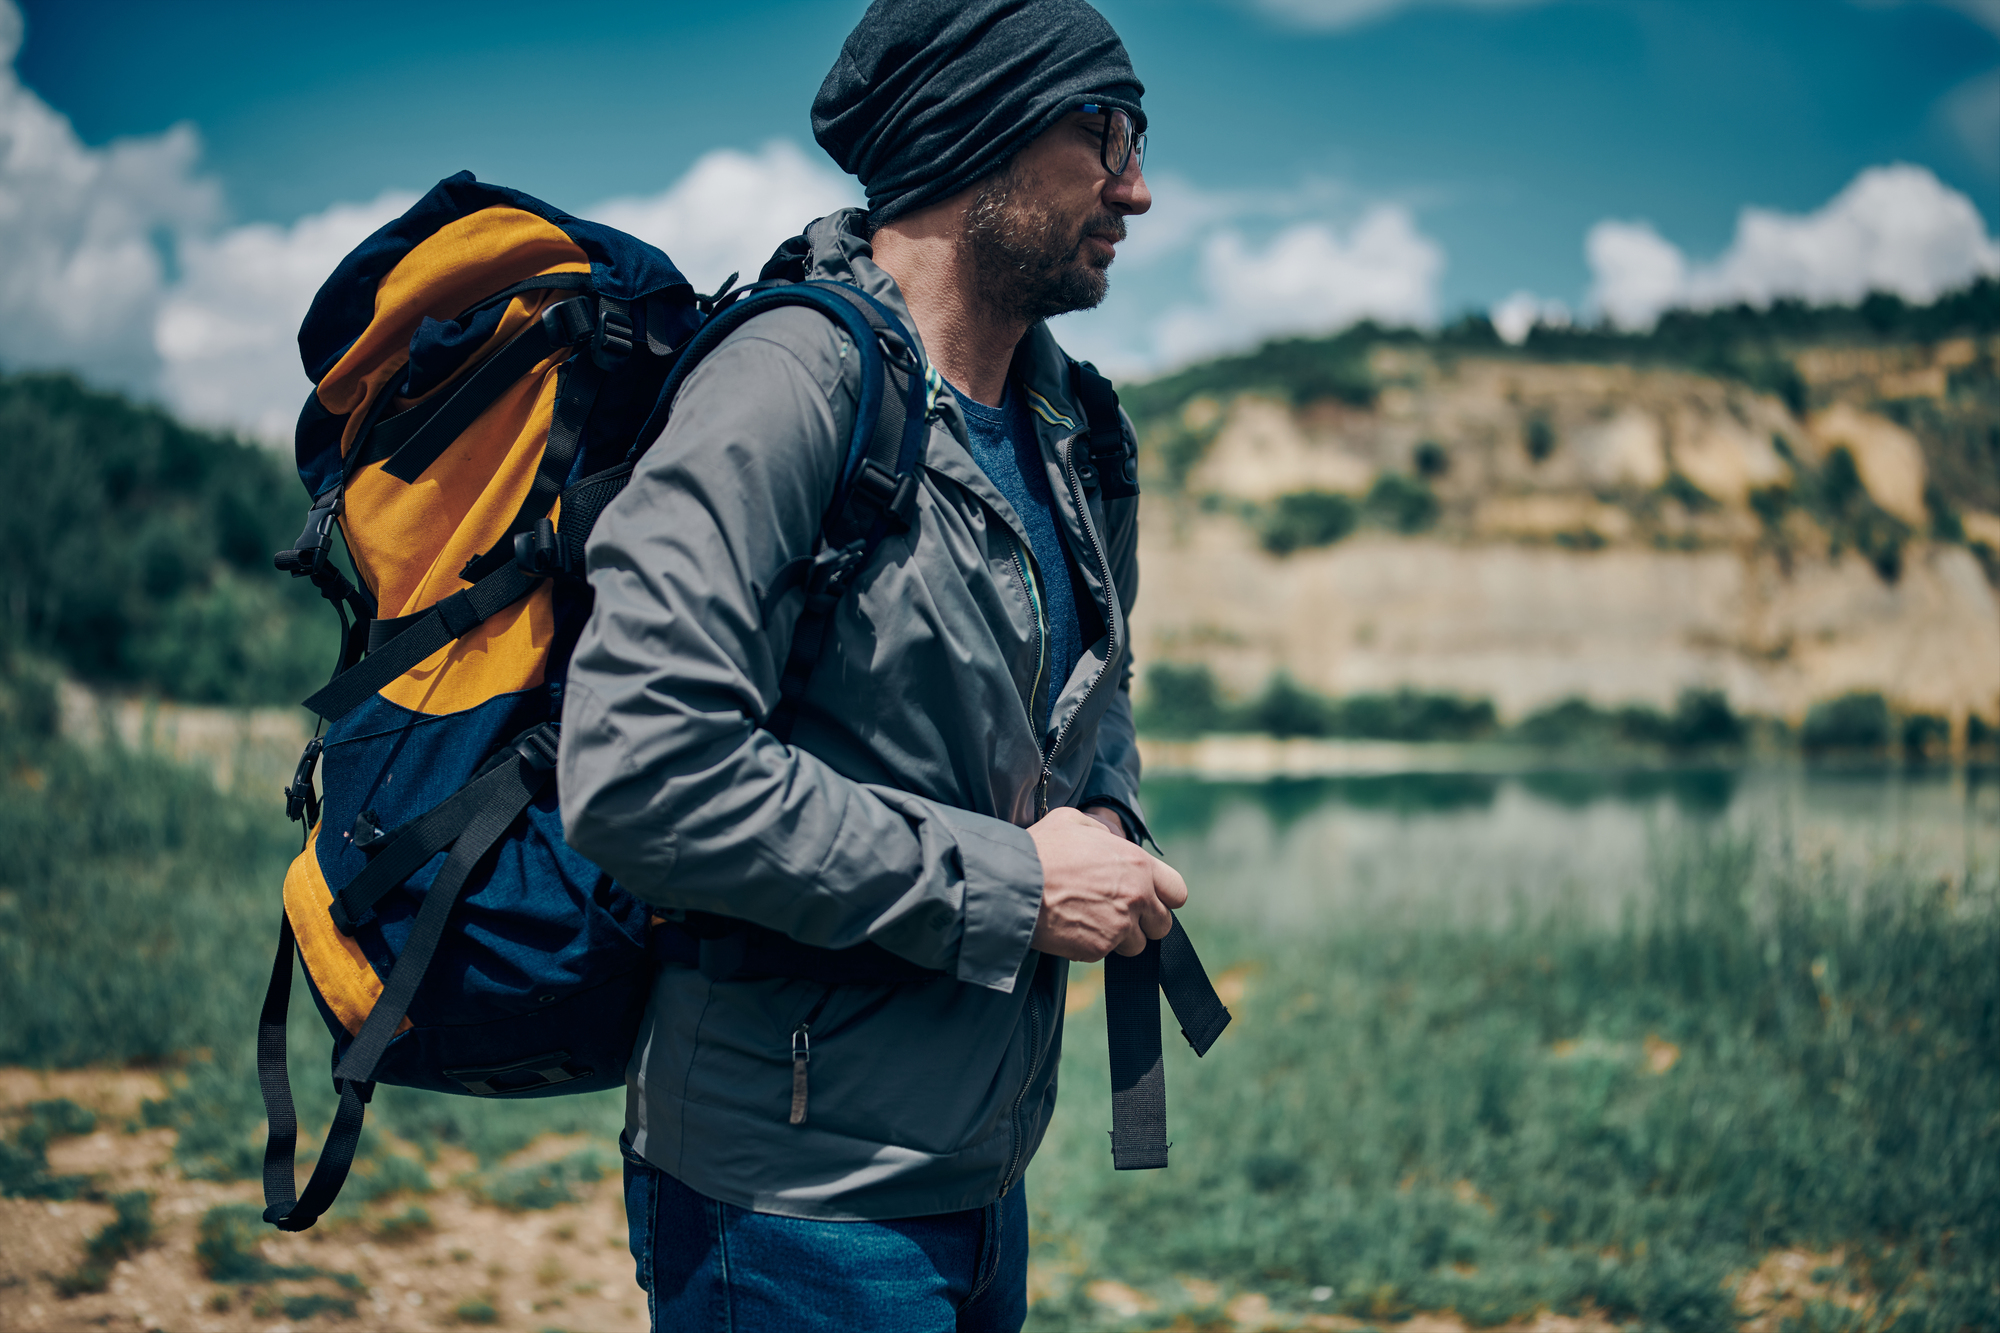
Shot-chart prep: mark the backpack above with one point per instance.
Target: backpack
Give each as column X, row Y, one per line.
column 488, row 370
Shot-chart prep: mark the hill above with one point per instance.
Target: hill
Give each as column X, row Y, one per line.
column 136, row 551
column 1786, row 506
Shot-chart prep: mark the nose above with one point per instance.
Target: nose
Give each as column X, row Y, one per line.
column 1127, row 194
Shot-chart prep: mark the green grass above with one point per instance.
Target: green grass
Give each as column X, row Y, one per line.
column 1433, row 1117
column 1415, row 1115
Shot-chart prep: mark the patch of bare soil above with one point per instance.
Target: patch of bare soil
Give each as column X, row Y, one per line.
column 455, row 1264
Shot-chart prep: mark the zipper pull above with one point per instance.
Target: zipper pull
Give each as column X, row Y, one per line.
column 1042, row 796
column 801, row 1057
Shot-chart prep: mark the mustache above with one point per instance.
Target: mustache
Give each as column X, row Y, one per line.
column 1106, row 225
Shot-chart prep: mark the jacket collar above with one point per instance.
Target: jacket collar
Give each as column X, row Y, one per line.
column 841, row 253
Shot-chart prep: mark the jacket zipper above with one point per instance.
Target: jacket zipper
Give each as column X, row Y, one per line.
column 1068, row 451
column 1034, row 1068
column 1029, row 582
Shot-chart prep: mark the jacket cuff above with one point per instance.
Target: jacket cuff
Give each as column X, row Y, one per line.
column 1003, row 898
column 1135, row 825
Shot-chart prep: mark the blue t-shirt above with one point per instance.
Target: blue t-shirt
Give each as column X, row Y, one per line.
column 1005, row 447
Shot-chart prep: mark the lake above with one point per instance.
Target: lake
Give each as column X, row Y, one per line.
column 1470, row 848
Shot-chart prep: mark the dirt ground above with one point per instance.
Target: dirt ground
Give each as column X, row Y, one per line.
column 474, row 1265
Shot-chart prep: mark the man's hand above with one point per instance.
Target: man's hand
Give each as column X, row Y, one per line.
column 1099, row 892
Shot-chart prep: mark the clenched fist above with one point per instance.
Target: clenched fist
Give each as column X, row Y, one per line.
column 1099, row 892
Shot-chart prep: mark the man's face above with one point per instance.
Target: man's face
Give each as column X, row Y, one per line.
column 1044, row 229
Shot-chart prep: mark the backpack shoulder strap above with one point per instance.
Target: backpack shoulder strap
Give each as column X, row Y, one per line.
column 877, row 490
column 1115, row 460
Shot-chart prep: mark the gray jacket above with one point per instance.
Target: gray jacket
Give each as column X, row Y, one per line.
column 897, row 813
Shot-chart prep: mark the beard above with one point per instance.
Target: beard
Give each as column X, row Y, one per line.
column 1028, row 261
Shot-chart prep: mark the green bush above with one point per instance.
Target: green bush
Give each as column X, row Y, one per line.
column 1286, row 709
column 138, row 550
column 1924, row 735
column 1856, row 721
column 1403, row 503
column 1306, row 519
column 1412, row 715
column 1701, row 720
column 1181, row 701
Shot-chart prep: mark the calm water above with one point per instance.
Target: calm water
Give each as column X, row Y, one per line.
column 1294, row 855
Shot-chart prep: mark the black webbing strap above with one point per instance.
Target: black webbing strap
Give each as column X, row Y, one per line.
column 577, row 382
column 414, row 438
column 1132, row 989
column 420, row 636
column 336, row 1155
column 406, row 849
column 525, row 773
column 1117, row 463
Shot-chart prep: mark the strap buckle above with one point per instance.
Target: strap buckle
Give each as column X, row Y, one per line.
column 310, row 551
column 569, row 322
column 612, row 341
column 889, row 495
column 542, row 552
column 540, row 747
column 834, row 568
column 301, row 802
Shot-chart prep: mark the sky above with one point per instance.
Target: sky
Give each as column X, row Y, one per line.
column 176, row 180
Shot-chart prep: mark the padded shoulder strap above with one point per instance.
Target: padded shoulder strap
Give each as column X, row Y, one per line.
column 878, row 481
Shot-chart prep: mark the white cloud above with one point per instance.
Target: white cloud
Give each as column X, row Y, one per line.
column 732, row 209
column 1333, row 15
column 227, row 333
column 82, row 231
column 1893, row 229
column 1307, row 280
column 1514, row 318
column 90, row 238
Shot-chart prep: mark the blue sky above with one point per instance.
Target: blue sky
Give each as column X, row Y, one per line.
column 1416, row 159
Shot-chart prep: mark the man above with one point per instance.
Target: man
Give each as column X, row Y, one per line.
column 960, row 789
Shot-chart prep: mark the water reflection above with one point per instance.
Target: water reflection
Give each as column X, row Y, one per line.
column 1295, row 854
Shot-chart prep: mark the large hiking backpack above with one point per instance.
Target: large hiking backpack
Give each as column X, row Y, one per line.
column 488, row 370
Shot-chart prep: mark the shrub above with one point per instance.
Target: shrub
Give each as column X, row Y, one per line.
column 1924, row 734
column 1285, row 709
column 1432, row 459
column 1856, row 721
column 1703, row 719
column 1539, row 437
column 1413, row 715
column 1180, row 701
column 1400, row 502
column 1305, row 519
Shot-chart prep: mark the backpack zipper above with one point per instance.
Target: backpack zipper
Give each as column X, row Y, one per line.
column 1111, row 647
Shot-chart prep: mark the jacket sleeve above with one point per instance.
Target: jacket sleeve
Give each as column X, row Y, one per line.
column 666, row 779
column 1114, row 774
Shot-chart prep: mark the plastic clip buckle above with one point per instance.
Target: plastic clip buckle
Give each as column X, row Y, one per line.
column 540, row 747
column 568, row 322
column 309, row 552
column 540, row 553
column 612, row 342
column 301, row 802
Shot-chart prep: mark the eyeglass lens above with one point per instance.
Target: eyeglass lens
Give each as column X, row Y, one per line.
column 1121, row 146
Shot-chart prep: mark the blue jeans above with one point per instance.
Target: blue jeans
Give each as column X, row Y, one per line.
column 711, row 1267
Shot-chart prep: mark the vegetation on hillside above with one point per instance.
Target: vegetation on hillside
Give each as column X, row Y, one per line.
column 1183, row 700
column 1739, row 342
column 135, row 550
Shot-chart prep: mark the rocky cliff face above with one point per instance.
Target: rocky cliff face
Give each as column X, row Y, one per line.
column 1608, row 531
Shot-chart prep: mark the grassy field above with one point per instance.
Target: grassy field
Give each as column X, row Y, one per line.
column 1618, row 1124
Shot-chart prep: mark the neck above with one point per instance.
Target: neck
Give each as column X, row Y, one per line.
column 970, row 343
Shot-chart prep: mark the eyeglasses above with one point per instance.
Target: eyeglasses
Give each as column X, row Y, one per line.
column 1122, row 147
